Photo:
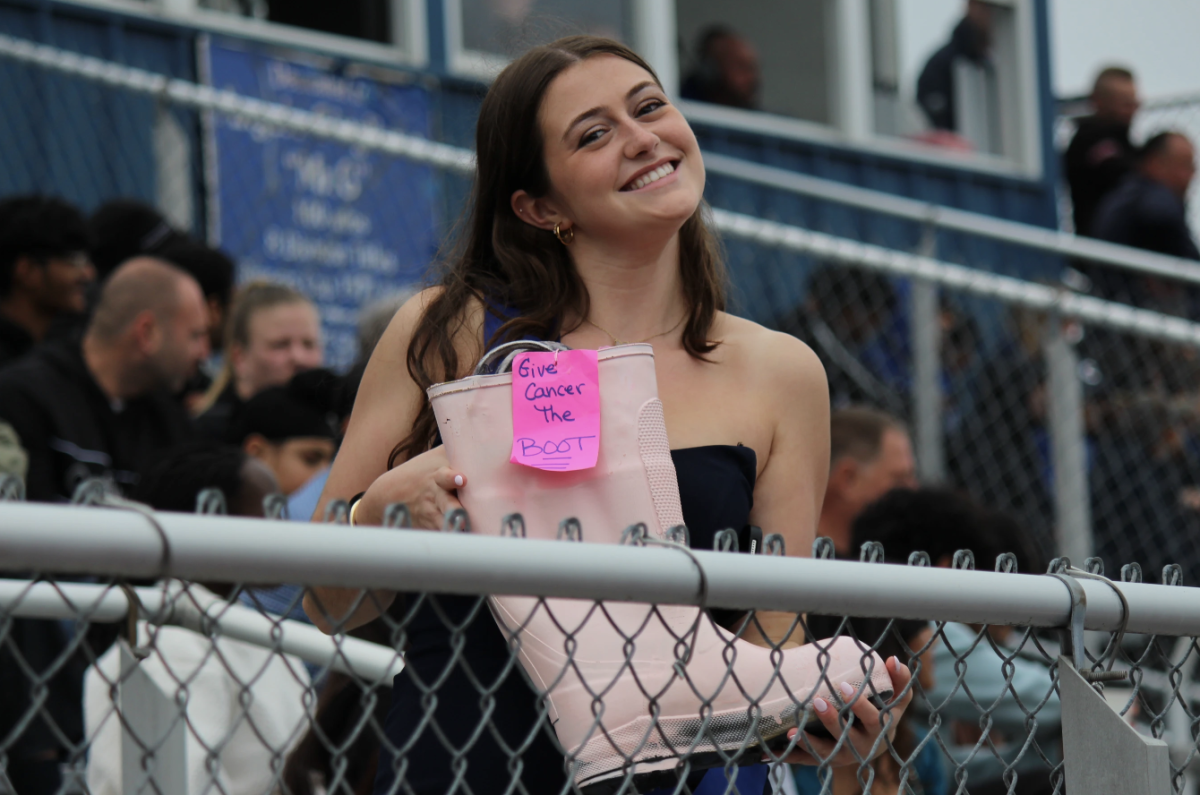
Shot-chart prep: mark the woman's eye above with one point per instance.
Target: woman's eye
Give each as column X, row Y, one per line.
column 650, row 107
column 591, row 136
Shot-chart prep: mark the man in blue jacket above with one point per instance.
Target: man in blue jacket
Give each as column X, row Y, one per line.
column 1149, row 208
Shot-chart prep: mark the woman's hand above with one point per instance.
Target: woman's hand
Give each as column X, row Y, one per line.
column 425, row 483
column 862, row 739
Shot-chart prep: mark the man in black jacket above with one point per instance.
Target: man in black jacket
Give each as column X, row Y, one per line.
column 100, row 408
column 103, row 407
column 1100, row 154
column 971, row 41
column 44, row 269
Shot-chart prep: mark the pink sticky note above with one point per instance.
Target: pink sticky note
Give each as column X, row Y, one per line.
column 556, row 410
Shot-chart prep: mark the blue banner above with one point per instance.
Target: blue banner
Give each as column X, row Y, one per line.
column 343, row 225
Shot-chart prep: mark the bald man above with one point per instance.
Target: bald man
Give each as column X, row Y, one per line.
column 102, row 407
column 1149, row 208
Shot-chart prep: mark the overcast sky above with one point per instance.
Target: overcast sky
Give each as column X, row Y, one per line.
column 1158, row 39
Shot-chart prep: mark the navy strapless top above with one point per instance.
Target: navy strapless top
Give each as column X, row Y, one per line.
column 716, row 487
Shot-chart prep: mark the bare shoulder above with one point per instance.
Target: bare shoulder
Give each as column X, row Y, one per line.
column 777, row 358
column 393, row 346
column 411, row 311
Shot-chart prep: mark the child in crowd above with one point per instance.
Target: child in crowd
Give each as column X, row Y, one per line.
column 292, row 429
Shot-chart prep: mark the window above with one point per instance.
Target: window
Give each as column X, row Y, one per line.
column 483, row 35
column 764, row 55
column 838, row 71
column 361, row 19
column 847, row 71
column 956, row 74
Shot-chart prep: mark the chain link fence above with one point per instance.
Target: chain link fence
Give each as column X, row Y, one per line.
column 207, row 687
column 1076, row 416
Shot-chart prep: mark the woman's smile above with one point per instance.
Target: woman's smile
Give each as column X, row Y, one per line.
column 656, row 175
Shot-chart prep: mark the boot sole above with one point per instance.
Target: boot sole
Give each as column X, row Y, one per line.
column 660, row 771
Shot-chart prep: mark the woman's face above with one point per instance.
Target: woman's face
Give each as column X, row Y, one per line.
column 282, row 341
column 620, row 157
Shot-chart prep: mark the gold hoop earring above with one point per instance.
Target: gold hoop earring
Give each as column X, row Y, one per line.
column 565, row 236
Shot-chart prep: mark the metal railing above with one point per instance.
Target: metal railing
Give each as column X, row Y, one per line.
column 940, row 217
column 1031, row 725
column 82, row 540
column 169, row 606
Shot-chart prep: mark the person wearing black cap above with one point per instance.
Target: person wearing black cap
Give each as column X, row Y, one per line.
column 44, row 269
column 292, row 429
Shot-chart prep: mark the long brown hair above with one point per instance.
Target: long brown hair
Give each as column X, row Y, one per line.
column 506, row 263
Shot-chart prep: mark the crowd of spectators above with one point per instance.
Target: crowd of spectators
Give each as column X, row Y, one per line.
column 1141, row 414
column 1141, row 417
column 126, row 357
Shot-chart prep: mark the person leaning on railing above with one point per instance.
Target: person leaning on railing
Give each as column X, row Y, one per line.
column 587, row 226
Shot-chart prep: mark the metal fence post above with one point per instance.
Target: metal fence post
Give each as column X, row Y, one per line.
column 1072, row 506
column 927, row 370
column 153, row 739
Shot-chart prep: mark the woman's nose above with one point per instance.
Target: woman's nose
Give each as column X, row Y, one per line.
column 639, row 139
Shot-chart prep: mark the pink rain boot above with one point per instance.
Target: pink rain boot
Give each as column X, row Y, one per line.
column 631, row 688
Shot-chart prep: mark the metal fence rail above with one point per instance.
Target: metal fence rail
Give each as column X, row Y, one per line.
column 192, row 95
column 173, row 607
column 951, row 219
column 79, row 540
column 991, row 712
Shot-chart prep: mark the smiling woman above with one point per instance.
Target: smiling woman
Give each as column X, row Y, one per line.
column 587, row 226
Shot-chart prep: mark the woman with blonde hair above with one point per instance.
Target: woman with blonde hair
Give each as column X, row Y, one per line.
column 273, row 333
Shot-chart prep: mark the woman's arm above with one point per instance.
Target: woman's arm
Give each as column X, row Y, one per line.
column 789, row 491
column 787, row 500
column 387, row 405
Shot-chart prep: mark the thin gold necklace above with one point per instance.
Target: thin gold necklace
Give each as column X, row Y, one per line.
column 616, row 341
